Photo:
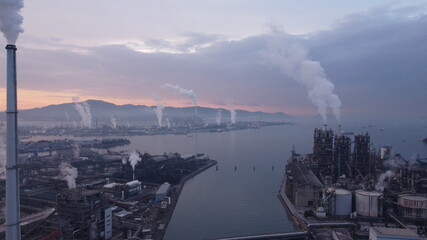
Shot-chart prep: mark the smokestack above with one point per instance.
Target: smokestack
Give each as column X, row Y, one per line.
column 339, row 130
column 13, row 230
column 324, row 126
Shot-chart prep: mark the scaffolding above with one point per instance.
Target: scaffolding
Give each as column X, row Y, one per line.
column 342, row 153
column 81, row 213
column 361, row 154
column 323, row 150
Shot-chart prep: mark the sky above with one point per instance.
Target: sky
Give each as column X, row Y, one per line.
column 373, row 52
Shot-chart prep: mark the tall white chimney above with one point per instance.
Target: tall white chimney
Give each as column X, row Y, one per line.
column 13, row 230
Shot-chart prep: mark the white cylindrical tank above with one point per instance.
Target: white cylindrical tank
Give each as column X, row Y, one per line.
column 342, row 202
column 368, row 204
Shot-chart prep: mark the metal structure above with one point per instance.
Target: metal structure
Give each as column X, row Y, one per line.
column 81, row 213
column 13, row 231
column 342, row 153
column 322, row 154
column 361, row 153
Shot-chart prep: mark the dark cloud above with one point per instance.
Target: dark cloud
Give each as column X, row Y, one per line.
column 376, row 61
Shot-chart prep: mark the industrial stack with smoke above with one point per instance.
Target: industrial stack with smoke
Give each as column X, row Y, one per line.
column 10, row 25
column 134, row 158
column 185, row 93
column 218, row 117
column 292, row 60
column 69, row 174
column 233, row 114
column 83, row 109
column 159, row 113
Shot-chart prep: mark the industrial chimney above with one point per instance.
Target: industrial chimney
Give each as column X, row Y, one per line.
column 12, row 177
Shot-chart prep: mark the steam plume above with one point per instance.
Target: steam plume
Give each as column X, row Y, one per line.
column 11, row 19
column 69, row 174
column 183, row 92
column 134, row 159
column 393, row 164
column 381, row 183
column 168, row 123
column 293, row 61
column 113, row 122
column 67, row 116
column 84, row 111
column 218, row 117
column 159, row 112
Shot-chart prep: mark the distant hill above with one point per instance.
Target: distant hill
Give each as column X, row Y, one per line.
column 102, row 112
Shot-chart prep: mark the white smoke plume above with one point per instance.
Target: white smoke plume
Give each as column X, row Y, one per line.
column 124, row 160
column 168, row 123
column 113, row 122
column 69, row 174
column 11, row 19
column 83, row 109
column 218, row 117
column 183, row 92
column 159, row 113
column 381, row 182
column 293, row 61
column 134, row 158
column 393, row 164
column 67, row 116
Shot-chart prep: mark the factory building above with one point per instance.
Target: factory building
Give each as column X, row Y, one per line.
column 342, row 153
column 381, row 233
column 323, row 150
column 123, row 191
column 82, row 214
column 303, row 188
column 412, row 207
column 361, row 154
column 162, row 192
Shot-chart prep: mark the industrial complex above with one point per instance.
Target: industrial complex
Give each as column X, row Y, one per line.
column 346, row 189
column 73, row 190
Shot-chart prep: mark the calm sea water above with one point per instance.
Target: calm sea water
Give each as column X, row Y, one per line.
column 231, row 202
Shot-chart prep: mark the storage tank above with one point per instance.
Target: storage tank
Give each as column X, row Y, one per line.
column 412, row 206
column 342, row 202
column 368, row 203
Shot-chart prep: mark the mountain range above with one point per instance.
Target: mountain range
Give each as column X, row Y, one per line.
column 102, row 112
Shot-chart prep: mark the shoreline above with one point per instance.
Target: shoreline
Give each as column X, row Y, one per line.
column 178, row 194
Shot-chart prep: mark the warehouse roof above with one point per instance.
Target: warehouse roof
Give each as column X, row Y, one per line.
column 163, row 189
